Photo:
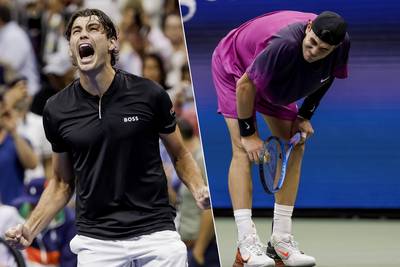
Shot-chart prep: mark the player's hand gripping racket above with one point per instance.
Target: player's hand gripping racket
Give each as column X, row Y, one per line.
column 275, row 158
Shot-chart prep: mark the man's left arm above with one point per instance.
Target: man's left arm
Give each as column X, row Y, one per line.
column 307, row 110
column 186, row 168
column 312, row 101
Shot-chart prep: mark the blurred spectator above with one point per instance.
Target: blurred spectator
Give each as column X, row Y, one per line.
column 186, row 83
column 132, row 50
column 9, row 217
column 59, row 72
column 16, row 49
column 132, row 14
column 51, row 246
column 184, row 100
column 110, row 7
column 174, row 32
column 154, row 10
column 33, row 24
column 153, row 69
column 140, row 36
column 171, row 6
column 54, row 21
column 195, row 226
column 16, row 154
column 159, row 43
column 30, row 126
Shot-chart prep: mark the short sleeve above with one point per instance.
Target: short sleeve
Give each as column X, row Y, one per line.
column 165, row 113
column 269, row 62
column 340, row 69
column 51, row 131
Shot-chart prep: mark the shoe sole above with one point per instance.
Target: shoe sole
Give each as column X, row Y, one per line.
column 283, row 265
column 235, row 264
column 278, row 261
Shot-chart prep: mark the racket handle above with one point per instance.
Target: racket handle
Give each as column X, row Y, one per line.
column 295, row 139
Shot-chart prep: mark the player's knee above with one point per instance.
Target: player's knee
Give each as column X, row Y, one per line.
column 239, row 152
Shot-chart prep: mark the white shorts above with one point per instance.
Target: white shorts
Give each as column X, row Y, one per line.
column 159, row 249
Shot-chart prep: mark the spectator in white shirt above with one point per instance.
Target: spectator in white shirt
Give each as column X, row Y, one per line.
column 16, row 50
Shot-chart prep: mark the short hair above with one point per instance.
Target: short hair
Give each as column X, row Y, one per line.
column 5, row 13
column 161, row 67
column 109, row 27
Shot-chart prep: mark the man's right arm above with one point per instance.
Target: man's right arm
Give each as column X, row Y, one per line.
column 56, row 195
column 245, row 98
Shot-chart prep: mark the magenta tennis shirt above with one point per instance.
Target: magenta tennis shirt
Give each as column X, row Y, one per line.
column 269, row 49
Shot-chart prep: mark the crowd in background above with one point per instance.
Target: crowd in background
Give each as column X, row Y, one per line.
column 35, row 64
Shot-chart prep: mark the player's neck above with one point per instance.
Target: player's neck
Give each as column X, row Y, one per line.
column 97, row 82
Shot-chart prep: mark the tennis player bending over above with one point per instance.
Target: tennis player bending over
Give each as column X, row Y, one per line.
column 104, row 129
column 265, row 65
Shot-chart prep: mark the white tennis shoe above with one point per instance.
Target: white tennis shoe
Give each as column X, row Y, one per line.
column 251, row 253
column 287, row 249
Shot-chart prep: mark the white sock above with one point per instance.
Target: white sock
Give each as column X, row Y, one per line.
column 244, row 222
column 282, row 220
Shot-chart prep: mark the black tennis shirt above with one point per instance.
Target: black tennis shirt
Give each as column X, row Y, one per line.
column 113, row 141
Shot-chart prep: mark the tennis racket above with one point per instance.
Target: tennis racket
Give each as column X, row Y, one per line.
column 9, row 256
column 275, row 157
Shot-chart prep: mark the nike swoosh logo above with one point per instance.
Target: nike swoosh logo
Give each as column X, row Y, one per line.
column 285, row 254
column 324, row 80
column 247, row 126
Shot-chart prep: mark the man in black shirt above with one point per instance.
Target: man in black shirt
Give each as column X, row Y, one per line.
column 104, row 129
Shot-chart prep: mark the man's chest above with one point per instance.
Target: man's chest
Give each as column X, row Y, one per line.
column 113, row 122
column 298, row 80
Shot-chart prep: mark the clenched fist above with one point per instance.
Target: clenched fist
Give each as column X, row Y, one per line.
column 19, row 237
column 202, row 197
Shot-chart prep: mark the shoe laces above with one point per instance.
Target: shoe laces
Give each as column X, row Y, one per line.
column 293, row 244
column 253, row 244
column 260, row 244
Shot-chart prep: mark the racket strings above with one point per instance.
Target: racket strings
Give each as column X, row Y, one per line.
column 273, row 166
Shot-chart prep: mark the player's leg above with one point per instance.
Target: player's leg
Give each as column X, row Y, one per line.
column 159, row 249
column 282, row 239
column 93, row 252
column 282, row 128
column 239, row 177
column 250, row 250
column 240, row 184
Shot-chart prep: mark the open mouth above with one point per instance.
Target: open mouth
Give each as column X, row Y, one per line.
column 86, row 50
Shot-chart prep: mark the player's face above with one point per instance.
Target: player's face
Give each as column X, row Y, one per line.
column 89, row 46
column 313, row 48
column 151, row 69
column 173, row 29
